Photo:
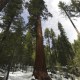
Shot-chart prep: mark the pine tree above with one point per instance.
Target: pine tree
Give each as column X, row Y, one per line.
column 11, row 11
column 65, row 50
column 76, row 46
column 50, row 47
column 66, row 10
column 54, row 47
column 14, row 47
column 28, row 45
column 47, row 47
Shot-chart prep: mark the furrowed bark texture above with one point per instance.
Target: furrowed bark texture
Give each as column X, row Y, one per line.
column 40, row 71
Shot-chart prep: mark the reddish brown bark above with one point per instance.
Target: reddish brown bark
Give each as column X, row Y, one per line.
column 40, row 71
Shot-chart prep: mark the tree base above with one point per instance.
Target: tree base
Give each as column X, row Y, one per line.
column 40, row 75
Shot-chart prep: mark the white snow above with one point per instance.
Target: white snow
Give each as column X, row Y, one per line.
column 19, row 75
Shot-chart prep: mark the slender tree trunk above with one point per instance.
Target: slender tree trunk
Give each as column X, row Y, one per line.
column 49, row 45
column 40, row 71
column 3, row 4
column 72, row 23
column 8, row 70
column 49, row 49
column 54, row 50
column 10, row 65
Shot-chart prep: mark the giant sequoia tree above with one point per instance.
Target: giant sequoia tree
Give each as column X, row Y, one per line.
column 37, row 9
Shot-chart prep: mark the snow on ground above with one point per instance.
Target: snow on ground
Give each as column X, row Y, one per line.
column 19, row 75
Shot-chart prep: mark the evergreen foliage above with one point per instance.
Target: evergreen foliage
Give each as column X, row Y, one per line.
column 65, row 50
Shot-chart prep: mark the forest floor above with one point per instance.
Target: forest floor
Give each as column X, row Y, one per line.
column 19, row 75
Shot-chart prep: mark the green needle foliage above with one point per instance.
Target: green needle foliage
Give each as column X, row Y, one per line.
column 65, row 50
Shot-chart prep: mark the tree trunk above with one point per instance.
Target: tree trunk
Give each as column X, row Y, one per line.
column 40, row 71
column 49, row 49
column 3, row 4
column 8, row 70
column 72, row 23
column 10, row 65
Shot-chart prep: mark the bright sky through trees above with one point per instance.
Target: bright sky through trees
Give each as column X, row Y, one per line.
column 57, row 16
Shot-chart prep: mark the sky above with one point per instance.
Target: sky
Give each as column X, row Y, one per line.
column 53, row 8
column 58, row 17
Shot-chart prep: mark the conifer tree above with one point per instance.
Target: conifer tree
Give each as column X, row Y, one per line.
column 11, row 11
column 76, row 46
column 51, row 49
column 37, row 10
column 47, row 47
column 54, row 47
column 67, row 11
column 3, row 4
column 14, row 48
column 28, row 45
column 65, row 50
